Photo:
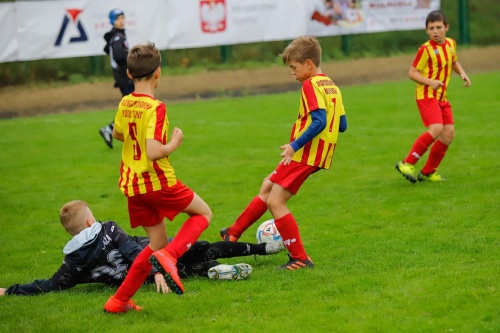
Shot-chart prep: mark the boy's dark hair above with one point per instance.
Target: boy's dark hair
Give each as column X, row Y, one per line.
column 301, row 49
column 143, row 60
column 434, row 16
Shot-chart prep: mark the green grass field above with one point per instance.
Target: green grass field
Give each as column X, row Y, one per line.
column 390, row 256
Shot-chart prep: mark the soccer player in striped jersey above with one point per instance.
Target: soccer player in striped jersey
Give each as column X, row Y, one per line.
column 311, row 146
column 149, row 182
column 431, row 70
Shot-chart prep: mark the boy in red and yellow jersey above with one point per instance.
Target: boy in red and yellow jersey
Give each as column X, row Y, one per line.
column 148, row 180
column 432, row 70
column 312, row 143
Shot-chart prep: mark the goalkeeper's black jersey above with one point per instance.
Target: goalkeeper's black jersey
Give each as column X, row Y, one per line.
column 104, row 252
column 104, row 257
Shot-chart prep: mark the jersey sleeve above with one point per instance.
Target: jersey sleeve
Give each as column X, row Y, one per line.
column 130, row 250
column 156, row 124
column 454, row 58
column 120, row 50
column 342, row 109
column 421, row 59
column 118, row 121
column 31, row 289
column 127, row 245
column 61, row 280
column 309, row 92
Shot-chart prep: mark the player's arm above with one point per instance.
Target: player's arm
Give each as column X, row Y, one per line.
column 120, row 51
column 130, row 250
column 130, row 247
column 460, row 71
column 415, row 75
column 30, row 289
column 156, row 150
column 117, row 135
column 342, row 123
column 318, row 123
column 60, row 281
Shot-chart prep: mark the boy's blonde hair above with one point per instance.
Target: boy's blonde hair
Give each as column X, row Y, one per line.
column 73, row 216
column 143, row 60
column 301, row 49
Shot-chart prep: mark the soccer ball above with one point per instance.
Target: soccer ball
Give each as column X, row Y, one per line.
column 268, row 232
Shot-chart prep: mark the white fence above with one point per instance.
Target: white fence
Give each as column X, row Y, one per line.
column 32, row 30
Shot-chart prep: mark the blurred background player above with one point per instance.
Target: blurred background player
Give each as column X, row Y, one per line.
column 327, row 12
column 431, row 70
column 312, row 143
column 117, row 49
column 101, row 252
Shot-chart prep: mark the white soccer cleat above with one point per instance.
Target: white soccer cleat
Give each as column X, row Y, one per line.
column 229, row 272
column 273, row 247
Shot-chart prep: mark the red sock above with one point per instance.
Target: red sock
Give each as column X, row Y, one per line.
column 289, row 231
column 419, row 148
column 436, row 155
column 137, row 274
column 187, row 235
column 255, row 209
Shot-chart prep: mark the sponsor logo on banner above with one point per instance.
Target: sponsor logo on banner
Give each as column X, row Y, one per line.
column 71, row 16
column 213, row 15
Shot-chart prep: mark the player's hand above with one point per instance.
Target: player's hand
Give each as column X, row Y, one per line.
column 161, row 284
column 2, row 291
column 436, row 84
column 287, row 154
column 177, row 136
column 466, row 79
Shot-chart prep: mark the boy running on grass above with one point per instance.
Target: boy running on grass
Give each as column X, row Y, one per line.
column 312, row 143
column 148, row 180
column 432, row 70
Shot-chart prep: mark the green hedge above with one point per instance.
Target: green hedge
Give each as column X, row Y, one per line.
column 484, row 27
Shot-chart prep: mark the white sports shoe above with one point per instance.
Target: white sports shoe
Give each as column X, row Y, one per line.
column 274, row 247
column 229, row 272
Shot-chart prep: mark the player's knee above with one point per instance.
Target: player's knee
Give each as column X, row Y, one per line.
column 273, row 205
column 208, row 215
column 435, row 130
column 447, row 137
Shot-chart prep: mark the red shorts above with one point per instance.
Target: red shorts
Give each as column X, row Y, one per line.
column 292, row 176
column 149, row 209
column 433, row 111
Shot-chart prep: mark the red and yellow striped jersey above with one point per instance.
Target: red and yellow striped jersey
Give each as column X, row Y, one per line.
column 139, row 118
column 435, row 61
column 318, row 92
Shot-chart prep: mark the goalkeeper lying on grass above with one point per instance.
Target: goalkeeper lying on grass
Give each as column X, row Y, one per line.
column 101, row 252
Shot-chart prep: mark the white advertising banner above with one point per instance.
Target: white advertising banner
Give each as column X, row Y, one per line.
column 343, row 17
column 8, row 32
column 32, row 30
column 199, row 23
column 75, row 28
